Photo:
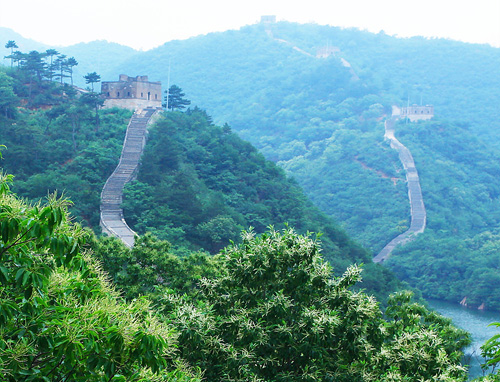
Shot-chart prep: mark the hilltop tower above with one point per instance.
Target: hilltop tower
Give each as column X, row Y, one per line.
column 414, row 112
column 131, row 93
column 268, row 19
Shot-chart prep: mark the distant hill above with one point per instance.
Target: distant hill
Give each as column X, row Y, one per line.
column 24, row 44
column 228, row 71
column 96, row 56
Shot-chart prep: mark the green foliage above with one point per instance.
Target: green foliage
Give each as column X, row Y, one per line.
column 199, row 185
column 276, row 314
column 59, row 317
column 8, row 99
column 461, row 241
column 35, row 75
column 92, row 78
column 150, row 269
column 60, row 149
column 174, row 98
column 326, row 130
column 60, row 146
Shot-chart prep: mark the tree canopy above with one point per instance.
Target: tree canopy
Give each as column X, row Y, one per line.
column 174, row 99
column 59, row 317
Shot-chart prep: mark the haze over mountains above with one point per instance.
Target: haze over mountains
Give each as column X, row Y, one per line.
column 321, row 119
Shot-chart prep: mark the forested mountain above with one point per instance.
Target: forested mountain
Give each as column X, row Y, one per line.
column 459, row 179
column 322, row 121
column 266, row 310
column 229, row 72
column 199, row 185
column 268, row 306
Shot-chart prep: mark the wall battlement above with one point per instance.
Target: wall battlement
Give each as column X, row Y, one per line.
column 132, row 93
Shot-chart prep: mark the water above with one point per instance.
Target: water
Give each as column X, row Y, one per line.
column 476, row 323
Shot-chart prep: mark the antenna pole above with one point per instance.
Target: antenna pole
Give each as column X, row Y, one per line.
column 168, row 83
column 407, row 108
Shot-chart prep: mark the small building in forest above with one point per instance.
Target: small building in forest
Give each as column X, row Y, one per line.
column 414, row 112
column 327, row 51
column 132, row 93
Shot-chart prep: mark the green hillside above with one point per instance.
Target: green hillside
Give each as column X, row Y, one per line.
column 199, row 185
column 269, row 304
column 325, row 128
column 322, row 122
column 272, row 311
column 459, row 178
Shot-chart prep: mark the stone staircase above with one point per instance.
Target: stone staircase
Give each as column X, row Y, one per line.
column 112, row 221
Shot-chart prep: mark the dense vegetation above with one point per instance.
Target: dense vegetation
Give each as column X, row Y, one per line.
column 60, row 319
column 199, row 186
column 56, row 143
column 266, row 308
column 323, row 123
column 459, row 177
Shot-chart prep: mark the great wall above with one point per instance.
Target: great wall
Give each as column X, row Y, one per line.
column 141, row 95
column 417, row 207
column 112, row 221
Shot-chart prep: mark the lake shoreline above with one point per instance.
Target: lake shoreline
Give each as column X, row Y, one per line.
column 476, row 322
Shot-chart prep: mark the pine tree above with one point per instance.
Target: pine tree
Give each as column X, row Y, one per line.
column 174, row 99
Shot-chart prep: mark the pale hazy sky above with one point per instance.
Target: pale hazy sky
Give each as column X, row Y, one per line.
column 144, row 24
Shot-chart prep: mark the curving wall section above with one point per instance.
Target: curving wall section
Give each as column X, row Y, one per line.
column 418, row 213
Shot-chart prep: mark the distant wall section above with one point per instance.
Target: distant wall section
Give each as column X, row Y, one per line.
column 131, row 93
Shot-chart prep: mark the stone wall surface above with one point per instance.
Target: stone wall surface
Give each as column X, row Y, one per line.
column 417, row 207
column 112, row 220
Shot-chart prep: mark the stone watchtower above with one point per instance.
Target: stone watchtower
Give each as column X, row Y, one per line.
column 131, row 93
column 414, row 112
column 268, row 19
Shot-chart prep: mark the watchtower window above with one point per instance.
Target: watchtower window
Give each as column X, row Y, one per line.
column 108, row 94
column 128, row 94
column 142, row 95
column 156, row 96
column 118, row 94
column 149, row 96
